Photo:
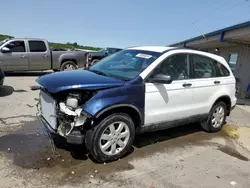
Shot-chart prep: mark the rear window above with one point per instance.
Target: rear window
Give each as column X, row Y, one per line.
column 37, row 46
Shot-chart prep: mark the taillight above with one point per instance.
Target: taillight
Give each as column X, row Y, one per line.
column 86, row 57
column 236, row 85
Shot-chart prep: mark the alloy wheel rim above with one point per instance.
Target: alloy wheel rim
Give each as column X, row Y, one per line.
column 114, row 138
column 69, row 67
column 218, row 117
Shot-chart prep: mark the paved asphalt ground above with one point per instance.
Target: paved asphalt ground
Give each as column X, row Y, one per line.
column 176, row 158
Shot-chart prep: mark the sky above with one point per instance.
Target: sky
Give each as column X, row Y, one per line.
column 116, row 23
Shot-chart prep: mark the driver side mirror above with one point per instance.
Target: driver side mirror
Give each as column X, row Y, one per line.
column 5, row 50
column 161, row 78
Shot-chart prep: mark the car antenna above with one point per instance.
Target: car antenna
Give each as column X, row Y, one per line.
column 199, row 31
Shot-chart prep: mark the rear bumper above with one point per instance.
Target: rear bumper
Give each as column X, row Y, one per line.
column 81, row 64
column 232, row 108
column 2, row 76
column 76, row 137
column 1, row 81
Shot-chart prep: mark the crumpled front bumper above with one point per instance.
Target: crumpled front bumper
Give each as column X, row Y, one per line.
column 75, row 137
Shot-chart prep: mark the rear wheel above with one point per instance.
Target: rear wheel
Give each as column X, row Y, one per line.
column 94, row 62
column 112, row 138
column 216, row 118
column 68, row 65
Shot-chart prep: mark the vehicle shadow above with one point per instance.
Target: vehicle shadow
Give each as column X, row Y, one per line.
column 28, row 73
column 79, row 152
column 150, row 138
column 6, row 90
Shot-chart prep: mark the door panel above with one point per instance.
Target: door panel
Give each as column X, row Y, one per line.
column 17, row 58
column 167, row 102
column 172, row 101
column 17, row 61
column 211, row 81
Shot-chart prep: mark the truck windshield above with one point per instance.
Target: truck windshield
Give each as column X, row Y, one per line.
column 3, row 41
column 126, row 64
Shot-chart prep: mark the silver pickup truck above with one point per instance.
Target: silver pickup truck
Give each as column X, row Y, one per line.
column 24, row 54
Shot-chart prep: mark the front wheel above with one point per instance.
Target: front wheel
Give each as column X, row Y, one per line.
column 216, row 118
column 112, row 138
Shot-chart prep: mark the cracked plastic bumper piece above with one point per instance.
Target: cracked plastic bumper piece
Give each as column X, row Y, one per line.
column 75, row 137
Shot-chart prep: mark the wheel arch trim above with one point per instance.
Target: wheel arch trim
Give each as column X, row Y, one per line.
column 98, row 114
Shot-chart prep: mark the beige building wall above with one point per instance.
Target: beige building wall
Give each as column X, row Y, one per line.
column 242, row 67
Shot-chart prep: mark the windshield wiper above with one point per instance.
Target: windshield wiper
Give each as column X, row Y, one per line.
column 98, row 72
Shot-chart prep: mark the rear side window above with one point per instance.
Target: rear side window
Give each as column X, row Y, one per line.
column 37, row 46
column 221, row 70
column 205, row 67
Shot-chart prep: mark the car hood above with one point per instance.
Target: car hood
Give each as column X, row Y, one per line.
column 77, row 79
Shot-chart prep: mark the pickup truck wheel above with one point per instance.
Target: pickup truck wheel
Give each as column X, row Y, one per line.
column 68, row 65
column 216, row 118
column 94, row 62
column 112, row 138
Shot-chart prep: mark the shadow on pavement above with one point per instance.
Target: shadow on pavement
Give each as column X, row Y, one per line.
column 6, row 91
column 167, row 134
column 10, row 74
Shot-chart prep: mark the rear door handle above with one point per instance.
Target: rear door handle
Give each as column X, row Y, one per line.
column 216, row 82
column 22, row 56
column 186, row 84
column 45, row 55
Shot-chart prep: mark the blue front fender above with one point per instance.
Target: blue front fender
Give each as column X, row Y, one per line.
column 129, row 95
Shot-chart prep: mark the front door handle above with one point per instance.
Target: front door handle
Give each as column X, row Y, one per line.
column 186, row 84
column 216, row 82
column 45, row 55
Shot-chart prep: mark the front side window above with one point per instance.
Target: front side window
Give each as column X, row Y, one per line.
column 176, row 66
column 37, row 46
column 16, row 46
column 125, row 64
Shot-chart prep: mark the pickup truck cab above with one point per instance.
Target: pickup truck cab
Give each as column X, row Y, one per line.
column 136, row 90
column 17, row 54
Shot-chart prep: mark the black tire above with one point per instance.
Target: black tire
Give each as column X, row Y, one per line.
column 94, row 62
column 92, row 138
column 66, row 64
column 207, row 124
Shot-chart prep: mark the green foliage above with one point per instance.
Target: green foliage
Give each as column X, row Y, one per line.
column 61, row 45
column 69, row 45
column 2, row 37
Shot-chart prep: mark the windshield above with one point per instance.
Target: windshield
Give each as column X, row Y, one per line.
column 125, row 64
column 3, row 41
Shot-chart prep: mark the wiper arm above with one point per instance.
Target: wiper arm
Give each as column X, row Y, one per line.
column 98, row 72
